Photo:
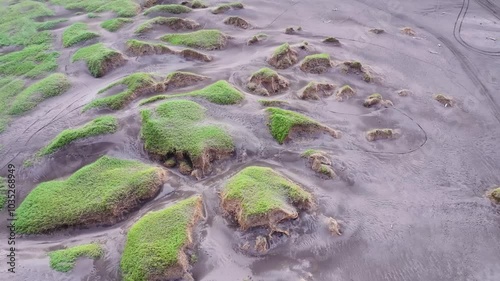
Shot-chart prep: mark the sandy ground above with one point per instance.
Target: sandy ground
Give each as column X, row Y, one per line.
column 410, row 209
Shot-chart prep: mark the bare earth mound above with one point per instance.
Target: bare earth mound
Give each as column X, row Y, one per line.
column 267, row 82
column 316, row 90
column 283, row 57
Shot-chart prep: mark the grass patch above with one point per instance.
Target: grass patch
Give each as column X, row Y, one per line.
column 18, row 25
column 99, row 58
column 136, row 84
column 64, row 260
column 172, row 22
column 220, row 92
column 281, row 121
column 9, row 88
column 76, row 33
column 122, row 8
column 99, row 192
column 51, row 86
column 47, row 25
column 156, row 242
column 32, row 61
column 3, row 192
column 198, row 4
column 282, row 49
column 169, row 8
column 99, row 126
column 222, row 8
column 176, row 127
column 255, row 194
column 316, row 57
column 208, row 39
column 113, row 25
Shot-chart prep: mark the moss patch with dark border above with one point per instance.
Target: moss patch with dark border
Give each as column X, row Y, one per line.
column 207, row 39
column 169, row 8
column 224, row 7
column 101, row 192
column 76, row 33
column 259, row 196
column 99, row 58
column 157, row 243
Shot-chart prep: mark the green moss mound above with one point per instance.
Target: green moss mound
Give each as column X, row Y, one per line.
column 99, row 126
column 172, row 22
column 259, row 196
column 18, row 25
column 208, row 39
column 76, row 33
column 222, row 8
column 101, row 192
column 282, row 122
column 64, row 260
column 136, row 84
column 51, row 86
column 156, row 243
column 115, row 24
column 33, row 61
column 99, row 58
column 220, row 92
column 3, row 192
column 169, row 8
column 9, row 88
column 122, row 8
column 177, row 128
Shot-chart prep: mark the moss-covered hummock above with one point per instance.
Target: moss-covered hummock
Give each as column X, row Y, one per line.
column 344, row 93
column 115, row 24
column 222, row 8
column 257, row 38
column 283, row 57
column 320, row 162
column 259, row 196
column 237, row 21
column 208, row 39
column 267, row 82
column 157, row 243
column 174, row 23
column 283, row 122
column 51, row 86
column 376, row 100
column 3, row 192
column 381, row 134
column 136, row 84
column 176, row 128
column 355, row 67
column 220, row 92
column 179, row 79
column 101, row 192
column 76, row 33
column 33, row 61
column 123, row 8
column 169, row 9
column 64, row 260
column 142, row 48
column 494, row 195
column 99, row 58
column 99, row 126
column 316, row 64
column 316, row 90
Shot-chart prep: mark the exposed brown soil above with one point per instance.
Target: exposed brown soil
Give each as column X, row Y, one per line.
column 308, row 130
column 237, row 21
column 284, row 59
column 380, row 134
column 332, row 40
column 148, row 49
column 377, row 30
column 355, row 67
column 179, row 23
column 375, row 100
column 261, row 246
column 344, row 93
column 195, row 55
column 333, row 226
column 108, row 64
column 404, row 92
column 408, row 31
column 184, row 79
column 267, row 85
column 316, row 90
column 320, row 163
column 446, row 101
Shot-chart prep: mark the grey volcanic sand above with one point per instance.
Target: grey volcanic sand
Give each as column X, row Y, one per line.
column 412, row 208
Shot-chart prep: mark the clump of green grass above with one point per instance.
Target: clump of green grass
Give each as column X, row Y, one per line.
column 47, row 25
column 115, row 24
column 9, row 88
column 3, row 192
column 220, row 92
column 99, row 58
column 51, row 86
column 176, row 127
column 256, row 195
column 222, row 8
column 156, row 243
column 93, row 16
column 99, row 192
column 317, row 63
column 198, row 4
column 309, row 152
column 76, row 33
column 282, row 49
column 64, row 260
column 32, row 61
column 172, row 22
column 169, row 8
column 99, row 126
column 281, row 121
column 18, row 25
column 123, row 8
column 136, row 83
column 208, row 39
